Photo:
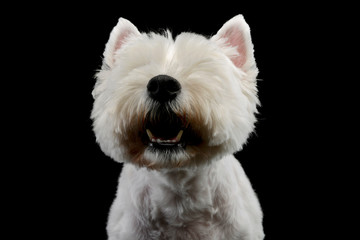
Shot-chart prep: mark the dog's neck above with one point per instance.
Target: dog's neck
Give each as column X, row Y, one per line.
column 182, row 177
column 183, row 182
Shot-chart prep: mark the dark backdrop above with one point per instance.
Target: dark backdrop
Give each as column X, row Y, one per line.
column 70, row 184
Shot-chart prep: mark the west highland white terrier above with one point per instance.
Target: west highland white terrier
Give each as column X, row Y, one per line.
column 174, row 111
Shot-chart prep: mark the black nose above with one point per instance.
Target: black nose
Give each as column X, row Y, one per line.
column 163, row 88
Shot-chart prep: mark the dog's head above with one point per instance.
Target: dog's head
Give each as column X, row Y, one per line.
column 163, row 103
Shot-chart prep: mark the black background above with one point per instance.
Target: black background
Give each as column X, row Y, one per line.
column 69, row 184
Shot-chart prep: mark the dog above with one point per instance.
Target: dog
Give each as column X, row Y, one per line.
column 174, row 110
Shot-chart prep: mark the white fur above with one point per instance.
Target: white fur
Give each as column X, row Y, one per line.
column 200, row 192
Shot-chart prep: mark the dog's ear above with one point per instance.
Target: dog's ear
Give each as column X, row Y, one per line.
column 236, row 34
column 119, row 35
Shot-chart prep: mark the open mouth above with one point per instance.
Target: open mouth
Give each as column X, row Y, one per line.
column 164, row 130
column 165, row 142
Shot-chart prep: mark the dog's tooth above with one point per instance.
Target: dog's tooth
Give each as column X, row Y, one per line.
column 178, row 137
column 149, row 134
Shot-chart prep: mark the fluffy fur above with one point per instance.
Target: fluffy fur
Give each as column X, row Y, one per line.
column 198, row 190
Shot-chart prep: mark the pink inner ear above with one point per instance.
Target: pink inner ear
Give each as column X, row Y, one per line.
column 121, row 39
column 236, row 39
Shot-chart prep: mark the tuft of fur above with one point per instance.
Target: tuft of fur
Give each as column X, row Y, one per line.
column 194, row 192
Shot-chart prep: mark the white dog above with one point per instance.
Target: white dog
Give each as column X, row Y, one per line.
column 174, row 111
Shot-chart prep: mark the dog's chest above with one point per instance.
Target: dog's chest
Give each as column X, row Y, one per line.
column 183, row 211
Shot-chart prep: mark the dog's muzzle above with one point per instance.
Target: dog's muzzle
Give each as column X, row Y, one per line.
column 163, row 129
